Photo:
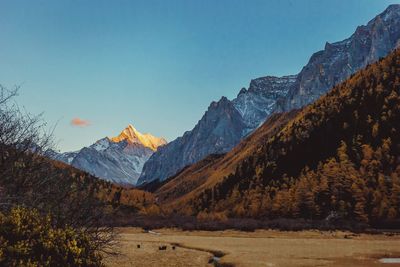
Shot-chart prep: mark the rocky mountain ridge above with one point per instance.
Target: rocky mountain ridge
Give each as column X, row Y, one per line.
column 222, row 127
column 339, row 60
column 270, row 94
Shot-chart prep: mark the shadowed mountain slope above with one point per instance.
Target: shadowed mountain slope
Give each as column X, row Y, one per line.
column 339, row 156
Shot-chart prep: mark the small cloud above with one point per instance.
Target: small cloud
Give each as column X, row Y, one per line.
column 77, row 122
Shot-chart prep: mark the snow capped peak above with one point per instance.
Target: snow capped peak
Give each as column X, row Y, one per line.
column 133, row 136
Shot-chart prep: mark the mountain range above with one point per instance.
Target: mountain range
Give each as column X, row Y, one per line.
column 320, row 145
column 118, row 159
column 222, row 127
column 136, row 159
column 226, row 122
column 338, row 157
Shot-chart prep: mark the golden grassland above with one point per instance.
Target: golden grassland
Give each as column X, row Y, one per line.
column 259, row 248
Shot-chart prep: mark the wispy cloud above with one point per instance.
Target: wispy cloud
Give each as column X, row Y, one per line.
column 78, row 122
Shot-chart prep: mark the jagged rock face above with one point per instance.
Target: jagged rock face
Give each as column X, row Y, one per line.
column 258, row 102
column 119, row 159
column 339, row 60
column 218, row 131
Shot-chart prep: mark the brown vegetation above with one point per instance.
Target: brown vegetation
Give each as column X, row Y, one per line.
column 336, row 159
column 38, row 195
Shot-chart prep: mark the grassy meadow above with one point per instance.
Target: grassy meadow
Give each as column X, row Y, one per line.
column 259, row 248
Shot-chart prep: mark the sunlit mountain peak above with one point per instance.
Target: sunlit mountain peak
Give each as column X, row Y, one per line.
column 133, row 136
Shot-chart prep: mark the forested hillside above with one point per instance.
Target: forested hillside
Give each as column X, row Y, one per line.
column 338, row 157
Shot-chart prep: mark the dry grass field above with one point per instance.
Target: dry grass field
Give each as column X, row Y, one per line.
column 259, row 248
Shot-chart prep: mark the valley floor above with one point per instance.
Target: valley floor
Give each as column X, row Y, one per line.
column 259, row 248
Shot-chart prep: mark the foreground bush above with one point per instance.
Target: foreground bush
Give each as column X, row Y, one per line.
column 29, row 239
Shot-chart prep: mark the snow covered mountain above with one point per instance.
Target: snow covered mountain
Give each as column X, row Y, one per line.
column 219, row 132
column 133, row 136
column 118, row 159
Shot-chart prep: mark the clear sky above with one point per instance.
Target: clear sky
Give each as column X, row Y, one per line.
column 156, row 64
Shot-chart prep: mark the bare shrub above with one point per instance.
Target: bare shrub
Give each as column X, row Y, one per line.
column 29, row 179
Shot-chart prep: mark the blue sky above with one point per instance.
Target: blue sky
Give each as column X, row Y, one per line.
column 156, row 64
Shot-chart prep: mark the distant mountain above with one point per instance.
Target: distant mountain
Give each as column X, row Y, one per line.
column 218, row 131
column 119, row 159
column 336, row 158
column 133, row 136
column 222, row 127
column 276, row 94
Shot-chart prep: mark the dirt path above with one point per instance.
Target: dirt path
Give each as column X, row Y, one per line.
column 260, row 248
